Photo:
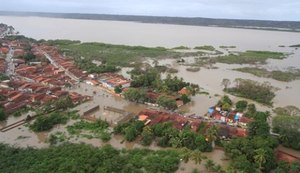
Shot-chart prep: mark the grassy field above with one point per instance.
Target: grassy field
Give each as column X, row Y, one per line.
column 250, row 57
column 277, row 75
column 119, row 55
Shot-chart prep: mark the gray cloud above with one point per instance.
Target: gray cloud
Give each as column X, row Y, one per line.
column 238, row 9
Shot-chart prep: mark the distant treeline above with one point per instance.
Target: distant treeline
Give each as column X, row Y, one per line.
column 198, row 21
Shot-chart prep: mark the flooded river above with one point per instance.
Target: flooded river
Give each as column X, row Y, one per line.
column 133, row 33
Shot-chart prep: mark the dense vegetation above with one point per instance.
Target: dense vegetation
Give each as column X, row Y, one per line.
column 287, row 124
column 285, row 76
column 260, row 92
column 255, row 152
column 167, row 136
column 85, row 158
column 250, row 57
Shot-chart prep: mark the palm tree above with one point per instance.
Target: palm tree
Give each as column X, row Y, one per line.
column 176, row 142
column 209, row 165
column 212, row 134
column 197, row 156
column 185, row 154
column 260, row 157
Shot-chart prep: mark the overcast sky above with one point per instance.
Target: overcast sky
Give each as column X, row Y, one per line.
column 237, row 9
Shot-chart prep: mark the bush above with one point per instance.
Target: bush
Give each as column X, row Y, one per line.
column 2, row 115
column 44, row 123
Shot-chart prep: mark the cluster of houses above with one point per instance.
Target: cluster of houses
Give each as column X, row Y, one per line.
column 34, row 83
column 232, row 118
column 44, row 74
column 108, row 80
column 17, row 94
column 152, row 117
column 65, row 63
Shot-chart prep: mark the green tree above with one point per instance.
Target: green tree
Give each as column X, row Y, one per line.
column 242, row 164
column 2, row 115
column 209, row 165
column 197, row 156
column 118, row 89
column 130, row 133
column 63, row 103
column 241, row 105
column 185, row 154
column 3, row 77
column 29, row 57
column 166, row 102
column 185, row 98
column 260, row 157
column 147, row 135
column 212, row 134
column 288, row 128
column 201, row 143
column 251, row 111
column 259, row 128
column 135, row 95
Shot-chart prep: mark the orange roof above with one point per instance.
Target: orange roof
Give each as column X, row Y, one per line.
column 184, row 90
column 143, row 117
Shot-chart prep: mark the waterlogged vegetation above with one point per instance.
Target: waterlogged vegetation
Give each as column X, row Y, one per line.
column 227, row 47
column 260, row 92
column 193, row 69
column 205, row 47
column 56, row 138
column 148, row 86
column 108, row 54
column 181, row 48
column 98, row 129
column 85, row 158
column 250, row 57
column 47, row 122
column 295, row 45
column 285, row 76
